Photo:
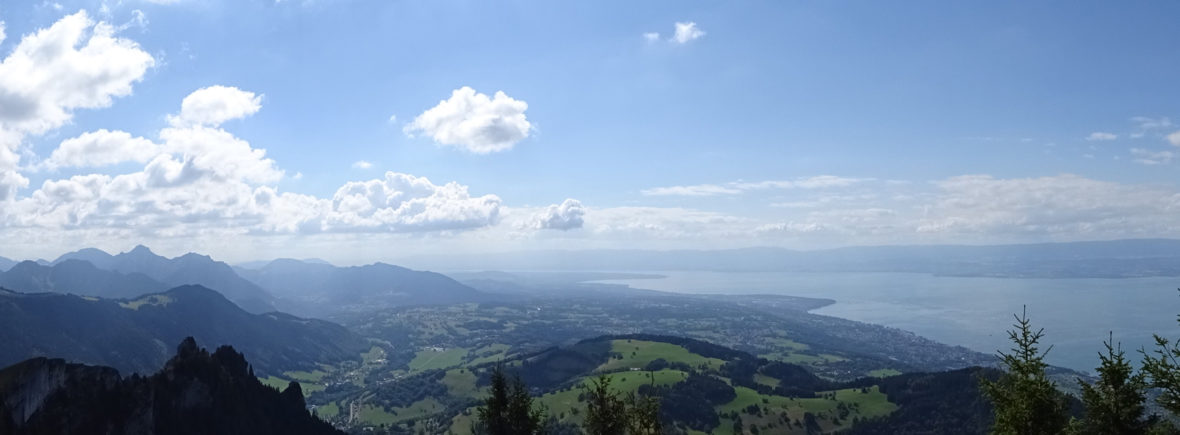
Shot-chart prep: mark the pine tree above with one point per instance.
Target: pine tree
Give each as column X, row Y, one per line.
column 643, row 415
column 508, row 410
column 606, row 414
column 1114, row 404
column 1162, row 368
column 1026, row 401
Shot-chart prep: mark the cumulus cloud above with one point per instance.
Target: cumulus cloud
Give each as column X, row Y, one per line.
column 219, row 153
column 403, row 202
column 76, row 63
column 100, row 148
column 214, row 105
column 565, row 216
column 362, row 164
column 474, row 122
column 738, row 187
column 200, row 178
column 1099, row 136
column 687, row 32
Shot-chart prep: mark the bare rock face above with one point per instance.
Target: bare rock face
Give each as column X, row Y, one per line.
column 27, row 385
column 196, row 393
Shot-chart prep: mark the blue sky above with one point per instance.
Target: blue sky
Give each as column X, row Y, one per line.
column 795, row 124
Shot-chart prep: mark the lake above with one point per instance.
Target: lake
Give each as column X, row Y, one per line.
column 1077, row 314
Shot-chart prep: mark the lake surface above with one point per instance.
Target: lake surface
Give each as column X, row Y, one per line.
column 1077, row 314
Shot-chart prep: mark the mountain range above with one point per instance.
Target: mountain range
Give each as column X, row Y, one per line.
column 131, row 335
column 78, row 277
column 183, row 270
column 316, row 288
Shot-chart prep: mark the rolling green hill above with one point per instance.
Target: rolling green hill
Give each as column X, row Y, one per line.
column 704, row 388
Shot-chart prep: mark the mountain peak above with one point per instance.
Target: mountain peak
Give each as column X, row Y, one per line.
column 141, row 250
column 194, row 256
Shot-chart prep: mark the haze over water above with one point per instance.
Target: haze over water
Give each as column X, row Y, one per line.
column 1077, row 314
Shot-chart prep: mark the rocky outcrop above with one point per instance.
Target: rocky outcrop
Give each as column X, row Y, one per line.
column 197, row 392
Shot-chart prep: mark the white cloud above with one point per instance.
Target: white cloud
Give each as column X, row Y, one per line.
column 219, row 153
column 138, row 19
column 631, row 224
column 1148, row 157
column 565, row 216
column 1146, row 124
column 361, row 164
column 1174, row 138
column 686, row 32
column 403, row 202
column 75, row 63
column 201, row 179
column 1098, row 135
column 694, row 190
column 789, row 228
column 100, row 148
column 474, row 122
column 1067, row 207
column 651, row 36
column 214, row 105
column 738, row 187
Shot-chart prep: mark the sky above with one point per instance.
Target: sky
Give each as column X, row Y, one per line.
column 358, row 131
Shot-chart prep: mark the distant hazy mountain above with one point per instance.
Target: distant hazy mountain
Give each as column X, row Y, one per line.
column 6, row 264
column 77, row 277
column 184, row 270
column 133, row 335
column 258, row 264
column 317, row 287
column 1103, row 259
column 197, row 392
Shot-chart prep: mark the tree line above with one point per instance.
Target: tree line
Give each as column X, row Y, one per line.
column 1027, row 402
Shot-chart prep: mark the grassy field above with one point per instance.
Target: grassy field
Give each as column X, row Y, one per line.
column 430, row 359
column 302, row 377
column 373, row 355
column 328, row 411
column 868, row 404
column 562, row 403
column 884, row 373
column 308, row 387
column 638, row 353
column 421, row 408
column 461, row 383
column 275, row 382
column 491, row 353
column 375, row 415
column 766, row 380
column 149, row 300
column 803, row 358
